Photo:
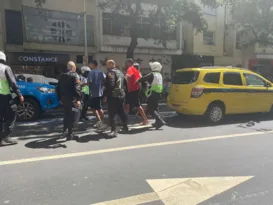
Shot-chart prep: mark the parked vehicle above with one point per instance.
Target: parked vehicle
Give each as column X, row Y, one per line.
column 218, row 91
column 39, row 97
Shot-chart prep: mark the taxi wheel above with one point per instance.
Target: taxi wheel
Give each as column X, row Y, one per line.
column 180, row 114
column 215, row 113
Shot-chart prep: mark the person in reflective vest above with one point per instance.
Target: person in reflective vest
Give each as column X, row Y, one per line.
column 85, row 92
column 8, row 106
column 153, row 93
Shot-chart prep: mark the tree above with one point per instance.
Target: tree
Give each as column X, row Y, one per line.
column 168, row 13
column 39, row 3
column 163, row 17
column 255, row 16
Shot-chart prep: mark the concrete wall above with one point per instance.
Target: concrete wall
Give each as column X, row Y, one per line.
column 2, row 31
column 227, row 61
column 215, row 24
column 74, row 6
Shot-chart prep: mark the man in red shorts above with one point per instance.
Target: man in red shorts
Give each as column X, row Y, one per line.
column 132, row 96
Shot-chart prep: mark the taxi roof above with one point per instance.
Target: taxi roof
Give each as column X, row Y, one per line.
column 218, row 68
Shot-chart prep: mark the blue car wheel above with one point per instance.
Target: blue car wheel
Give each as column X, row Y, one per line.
column 28, row 111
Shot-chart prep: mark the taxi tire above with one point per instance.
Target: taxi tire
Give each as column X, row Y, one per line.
column 212, row 107
column 180, row 114
column 37, row 110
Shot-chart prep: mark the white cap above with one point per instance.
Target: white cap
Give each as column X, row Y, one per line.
column 84, row 69
column 155, row 66
column 3, row 56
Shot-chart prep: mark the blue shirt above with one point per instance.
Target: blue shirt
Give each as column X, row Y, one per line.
column 96, row 78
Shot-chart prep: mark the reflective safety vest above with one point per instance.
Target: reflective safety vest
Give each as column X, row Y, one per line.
column 157, row 84
column 4, row 84
column 85, row 90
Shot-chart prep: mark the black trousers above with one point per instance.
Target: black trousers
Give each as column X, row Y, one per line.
column 8, row 109
column 85, row 107
column 152, row 106
column 116, row 107
column 71, row 117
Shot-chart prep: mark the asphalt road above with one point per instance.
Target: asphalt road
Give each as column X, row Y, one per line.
column 187, row 162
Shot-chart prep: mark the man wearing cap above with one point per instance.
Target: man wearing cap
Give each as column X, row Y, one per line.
column 115, row 94
column 156, row 81
column 8, row 106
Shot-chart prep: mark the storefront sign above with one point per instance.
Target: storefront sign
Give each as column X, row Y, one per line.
column 37, row 59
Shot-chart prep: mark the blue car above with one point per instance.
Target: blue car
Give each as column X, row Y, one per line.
column 39, row 98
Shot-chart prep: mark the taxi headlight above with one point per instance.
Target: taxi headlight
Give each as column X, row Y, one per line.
column 46, row 90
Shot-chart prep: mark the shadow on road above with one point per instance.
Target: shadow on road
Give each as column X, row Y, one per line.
column 196, row 121
column 52, row 143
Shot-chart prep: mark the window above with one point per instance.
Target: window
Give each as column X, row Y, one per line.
column 253, row 80
column 79, row 59
column 119, row 25
column 212, row 78
column 209, row 38
column 238, row 41
column 14, row 27
column 185, row 77
column 209, row 11
column 232, row 79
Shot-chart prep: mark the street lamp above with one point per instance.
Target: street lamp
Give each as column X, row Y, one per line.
column 85, row 34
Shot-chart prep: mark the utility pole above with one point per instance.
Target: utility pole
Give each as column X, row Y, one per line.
column 85, row 34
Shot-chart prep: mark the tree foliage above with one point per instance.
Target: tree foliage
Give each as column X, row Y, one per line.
column 39, row 3
column 256, row 16
column 168, row 13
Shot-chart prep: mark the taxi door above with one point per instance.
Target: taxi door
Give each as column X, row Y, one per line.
column 258, row 93
column 232, row 92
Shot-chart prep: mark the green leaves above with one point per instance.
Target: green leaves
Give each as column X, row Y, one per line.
column 255, row 16
column 39, row 3
column 160, row 13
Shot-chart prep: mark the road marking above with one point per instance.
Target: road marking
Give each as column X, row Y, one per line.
column 133, row 200
column 118, row 149
column 190, row 191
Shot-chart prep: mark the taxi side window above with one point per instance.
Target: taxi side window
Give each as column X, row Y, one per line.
column 253, row 80
column 232, row 79
column 212, row 78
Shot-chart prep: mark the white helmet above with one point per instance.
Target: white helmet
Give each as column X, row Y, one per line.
column 155, row 66
column 84, row 69
column 3, row 56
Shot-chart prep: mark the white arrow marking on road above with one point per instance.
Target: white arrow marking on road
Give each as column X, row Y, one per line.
column 186, row 191
column 192, row 191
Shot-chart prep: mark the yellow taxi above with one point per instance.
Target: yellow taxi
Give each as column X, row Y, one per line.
column 218, row 91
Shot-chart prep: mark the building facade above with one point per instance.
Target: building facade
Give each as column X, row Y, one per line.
column 43, row 40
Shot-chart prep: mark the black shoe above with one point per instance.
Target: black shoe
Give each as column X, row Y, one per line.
column 98, row 124
column 63, row 135
column 112, row 135
column 86, row 118
column 157, row 125
column 82, row 120
column 70, row 137
column 124, row 129
column 8, row 141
